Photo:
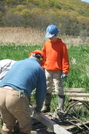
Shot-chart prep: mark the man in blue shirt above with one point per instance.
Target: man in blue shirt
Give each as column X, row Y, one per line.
column 15, row 89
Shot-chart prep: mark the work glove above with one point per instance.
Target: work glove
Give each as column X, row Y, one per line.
column 64, row 76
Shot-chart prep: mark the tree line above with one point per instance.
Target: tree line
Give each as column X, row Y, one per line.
column 72, row 17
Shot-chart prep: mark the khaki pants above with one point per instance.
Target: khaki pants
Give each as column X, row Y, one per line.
column 13, row 107
column 56, row 78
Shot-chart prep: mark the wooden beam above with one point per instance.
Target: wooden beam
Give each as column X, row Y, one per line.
column 48, row 122
column 78, row 94
column 77, row 124
column 79, row 98
column 76, row 90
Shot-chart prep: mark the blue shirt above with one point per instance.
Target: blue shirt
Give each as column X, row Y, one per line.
column 27, row 75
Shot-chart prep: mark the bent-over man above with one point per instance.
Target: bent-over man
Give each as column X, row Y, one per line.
column 15, row 89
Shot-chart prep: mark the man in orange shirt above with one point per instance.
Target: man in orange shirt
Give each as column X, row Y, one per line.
column 56, row 66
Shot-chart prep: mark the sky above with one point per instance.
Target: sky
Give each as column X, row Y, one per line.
column 85, row 0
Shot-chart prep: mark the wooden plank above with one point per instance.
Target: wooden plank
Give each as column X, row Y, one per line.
column 78, row 94
column 39, row 128
column 79, row 98
column 77, row 124
column 48, row 122
column 73, row 91
column 76, row 90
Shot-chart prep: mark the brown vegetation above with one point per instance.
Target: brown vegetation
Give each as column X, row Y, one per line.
column 21, row 35
column 31, row 36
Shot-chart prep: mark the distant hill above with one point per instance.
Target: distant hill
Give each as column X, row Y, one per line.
column 71, row 16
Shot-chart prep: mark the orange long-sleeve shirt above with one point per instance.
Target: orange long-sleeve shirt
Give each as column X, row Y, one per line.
column 56, row 56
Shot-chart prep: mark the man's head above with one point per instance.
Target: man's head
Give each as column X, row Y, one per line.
column 38, row 54
column 51, row 31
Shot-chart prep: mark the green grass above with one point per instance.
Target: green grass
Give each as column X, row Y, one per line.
column 15, row 52
column 79, row 67
column 78, row 76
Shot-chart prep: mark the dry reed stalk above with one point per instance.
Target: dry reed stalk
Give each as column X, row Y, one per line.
column 21, row 35
column 31, row 36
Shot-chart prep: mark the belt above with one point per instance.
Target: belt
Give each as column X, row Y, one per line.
column 21, row 92
column 7, row 87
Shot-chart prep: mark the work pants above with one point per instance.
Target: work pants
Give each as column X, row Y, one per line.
column 14, row 108
column 54, row 77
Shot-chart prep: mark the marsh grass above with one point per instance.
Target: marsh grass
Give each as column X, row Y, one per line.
column 79, row 67
column 31, row 36
column 16, row 52
column 20, row 35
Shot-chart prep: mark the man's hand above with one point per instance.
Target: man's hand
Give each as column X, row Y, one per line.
column 64, row 76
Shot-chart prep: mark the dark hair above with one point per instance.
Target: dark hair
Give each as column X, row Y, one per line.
column 38, row 56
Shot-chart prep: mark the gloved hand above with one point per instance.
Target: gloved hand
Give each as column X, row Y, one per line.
column 64, row 76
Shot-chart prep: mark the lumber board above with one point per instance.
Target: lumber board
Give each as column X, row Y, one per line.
column 76, row 90
column 79, row 98
column 78, row 94
column 73, row 91
column 77, row 124
column 48, row 122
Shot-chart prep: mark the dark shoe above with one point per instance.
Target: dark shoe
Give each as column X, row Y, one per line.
column 16, row 128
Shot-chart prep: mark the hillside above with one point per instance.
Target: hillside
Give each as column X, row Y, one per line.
column 71, row 16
